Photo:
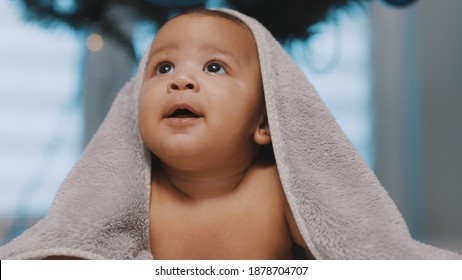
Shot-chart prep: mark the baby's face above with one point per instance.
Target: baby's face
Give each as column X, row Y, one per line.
column 202, row 92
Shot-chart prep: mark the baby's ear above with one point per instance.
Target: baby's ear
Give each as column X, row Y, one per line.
column 262, row 135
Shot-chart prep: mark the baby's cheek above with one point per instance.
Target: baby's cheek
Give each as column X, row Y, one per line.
column 141, row 124
column 143, row 119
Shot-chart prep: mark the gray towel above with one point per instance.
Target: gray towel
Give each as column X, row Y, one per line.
column 342, row 211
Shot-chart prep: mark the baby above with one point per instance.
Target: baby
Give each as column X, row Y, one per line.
column 217, row 193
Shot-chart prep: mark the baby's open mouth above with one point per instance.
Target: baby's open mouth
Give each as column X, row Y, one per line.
column 183, row 113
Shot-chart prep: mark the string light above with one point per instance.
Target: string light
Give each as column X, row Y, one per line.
column 95, row 42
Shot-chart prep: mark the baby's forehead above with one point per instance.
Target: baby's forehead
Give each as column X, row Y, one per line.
column 233, row 25
column 214, row 32
column 213, row 15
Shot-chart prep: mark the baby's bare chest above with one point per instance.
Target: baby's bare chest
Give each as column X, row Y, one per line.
column 249, row 229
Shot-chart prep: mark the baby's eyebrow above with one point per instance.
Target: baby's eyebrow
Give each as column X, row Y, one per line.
column 213, row 49
column 224, row 52
column 157, row 51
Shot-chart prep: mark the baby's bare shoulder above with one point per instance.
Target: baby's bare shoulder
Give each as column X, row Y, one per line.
column 268, row 179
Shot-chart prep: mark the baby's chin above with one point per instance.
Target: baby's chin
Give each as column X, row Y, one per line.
column 180, row 151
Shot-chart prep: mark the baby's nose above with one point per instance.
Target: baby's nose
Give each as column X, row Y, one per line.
column 183, row 83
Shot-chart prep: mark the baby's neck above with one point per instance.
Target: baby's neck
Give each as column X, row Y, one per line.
column 199, row 187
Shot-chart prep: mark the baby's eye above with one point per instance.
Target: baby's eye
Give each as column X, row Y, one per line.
column 164, row 68
column 215, row 67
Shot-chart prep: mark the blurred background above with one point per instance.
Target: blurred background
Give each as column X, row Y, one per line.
column 389, row 70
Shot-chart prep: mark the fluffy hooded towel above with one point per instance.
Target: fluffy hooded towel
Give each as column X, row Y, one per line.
column 342, row 211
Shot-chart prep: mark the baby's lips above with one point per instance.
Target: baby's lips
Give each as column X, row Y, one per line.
column 183, row 113
column 175, row 108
